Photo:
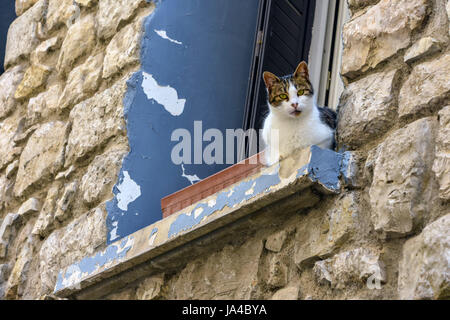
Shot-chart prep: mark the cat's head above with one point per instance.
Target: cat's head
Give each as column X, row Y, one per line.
column 290, row 96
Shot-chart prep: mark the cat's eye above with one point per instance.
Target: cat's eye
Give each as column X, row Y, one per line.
column 283, row 96
column 300, row 92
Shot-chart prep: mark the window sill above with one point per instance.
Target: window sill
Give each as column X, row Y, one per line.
column 310, row 168
column 215, row 183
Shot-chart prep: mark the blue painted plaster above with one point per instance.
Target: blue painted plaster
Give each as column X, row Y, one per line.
column 210, row 70
column 325, row 167
column 89, row 265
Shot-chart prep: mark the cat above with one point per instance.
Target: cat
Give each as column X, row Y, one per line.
column 294, row 113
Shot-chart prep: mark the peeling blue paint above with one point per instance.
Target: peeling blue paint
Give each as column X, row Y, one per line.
column 155, row 230
column 239, row 194
column 89, row 265
column 324, row 167
column 210, row 70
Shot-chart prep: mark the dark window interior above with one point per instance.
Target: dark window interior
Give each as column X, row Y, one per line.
column 7, row 15
column 285, row 31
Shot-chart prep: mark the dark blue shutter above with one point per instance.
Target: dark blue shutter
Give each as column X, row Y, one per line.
column 7, row 16
column 285, row 32
column 208, row 61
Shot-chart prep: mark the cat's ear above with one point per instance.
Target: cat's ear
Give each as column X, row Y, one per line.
column 270, row 79
column 302, row 70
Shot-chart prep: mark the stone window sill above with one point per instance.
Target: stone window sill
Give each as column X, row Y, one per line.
column 307, row 170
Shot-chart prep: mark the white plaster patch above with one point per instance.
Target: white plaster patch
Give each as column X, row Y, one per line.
column 73, row 281
column 113, row 234
column 152, row 239
column 251, row 190
column 198, row 212
column 129, row 191
column 212, row 203
column 192, row 178
column 163, row 34
column 165, row 96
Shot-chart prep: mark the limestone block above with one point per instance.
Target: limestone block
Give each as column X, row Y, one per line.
column 60, row 12
column 275, row 242
column 43, row 105
column 45, row 222
column 380, row 33
column 101, row 176
column 428, row 82
column 3, row 185
column 21, row 136
column 24, row 5
column 23, row 28
column 96, row 120
column 11, row 169
column 400, row 192
column 20, row 271
column 437, row 26
column 424, row 270
column 288, row 293
column 111, row 13
column 9, row 81
column 448, row 14
column 350, row 267
column 83, row 236
column 123, row 50
column 43, row 155
column 368, row 109
column 10, row 151
column 278, row 273
column 49, row 261
column 65, row 174
column 86, row 3
column 355, row 5
column 422, row 48
column 28, row 207
column 35, row 77
column 79, row 41
column 4, row 273
column 79, row 239
column 230, row 273
column 353, row 169
column 82, row 82
column 320, row 235
column 42, row 52
column 63, row 207
column 7, row 231
column 150, row 288
column 441, row 166
column 127, row 294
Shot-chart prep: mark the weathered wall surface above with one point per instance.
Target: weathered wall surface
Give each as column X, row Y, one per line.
column 386, row 236
column 62, row 133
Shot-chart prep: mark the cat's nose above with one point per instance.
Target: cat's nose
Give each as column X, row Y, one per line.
column 294, row 105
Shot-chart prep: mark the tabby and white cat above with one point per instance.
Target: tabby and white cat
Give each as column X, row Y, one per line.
column 294, row 113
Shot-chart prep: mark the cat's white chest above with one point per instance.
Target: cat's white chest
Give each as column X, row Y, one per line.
column 294, row 134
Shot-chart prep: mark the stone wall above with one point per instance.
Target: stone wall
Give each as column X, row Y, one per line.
column 385, row 236
column 62, row 133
